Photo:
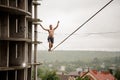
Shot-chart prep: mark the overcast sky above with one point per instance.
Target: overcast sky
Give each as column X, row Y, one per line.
column 101, row 33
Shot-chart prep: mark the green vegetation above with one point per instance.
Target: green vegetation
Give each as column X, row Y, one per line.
column 95, row 63
column 117, row 74
column 99, row 60
column 85, row 78
column 68, row 56
column 47, row 75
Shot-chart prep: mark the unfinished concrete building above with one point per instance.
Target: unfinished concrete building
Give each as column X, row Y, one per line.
column 15, row 39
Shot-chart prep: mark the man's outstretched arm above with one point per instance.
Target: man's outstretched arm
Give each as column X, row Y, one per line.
column 43, row 28
column 57, row 25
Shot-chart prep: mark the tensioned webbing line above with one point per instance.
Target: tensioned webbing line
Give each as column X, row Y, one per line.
column 82, row 25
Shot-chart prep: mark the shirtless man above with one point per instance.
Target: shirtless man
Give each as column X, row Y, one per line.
column 51, row 34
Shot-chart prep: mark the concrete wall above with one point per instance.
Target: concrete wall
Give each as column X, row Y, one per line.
column 17, row 26
column 3, row 53
column 4, row 2
column 4, row 24
column 17, row 53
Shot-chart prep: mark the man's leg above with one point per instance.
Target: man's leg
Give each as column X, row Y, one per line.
column 49, row 46
column 50, row 40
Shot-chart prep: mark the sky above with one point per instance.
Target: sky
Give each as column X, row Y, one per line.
column 100, row 33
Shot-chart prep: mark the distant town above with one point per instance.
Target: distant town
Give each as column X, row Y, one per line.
column 74, row 64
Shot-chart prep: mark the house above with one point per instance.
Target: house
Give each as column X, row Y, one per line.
column 91, row 74
column 98, row 75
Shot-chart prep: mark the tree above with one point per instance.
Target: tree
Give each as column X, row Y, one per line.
column 117, row 74
column 85, row 78
column 40, row 72
column 79, row 78
column 50, row 75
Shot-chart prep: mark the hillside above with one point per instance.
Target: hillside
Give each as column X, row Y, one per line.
column 74, row 55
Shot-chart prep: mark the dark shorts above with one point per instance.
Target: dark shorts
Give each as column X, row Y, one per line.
column 51, row 39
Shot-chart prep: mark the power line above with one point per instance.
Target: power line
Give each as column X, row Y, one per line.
column 116, row 32
column 90, row 33
column 82, row 25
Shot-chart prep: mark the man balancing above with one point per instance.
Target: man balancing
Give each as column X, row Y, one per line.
column 51, row 34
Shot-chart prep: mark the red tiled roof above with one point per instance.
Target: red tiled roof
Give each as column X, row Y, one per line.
column 102, row 75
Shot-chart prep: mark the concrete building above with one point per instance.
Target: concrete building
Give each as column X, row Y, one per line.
column 15, row 39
